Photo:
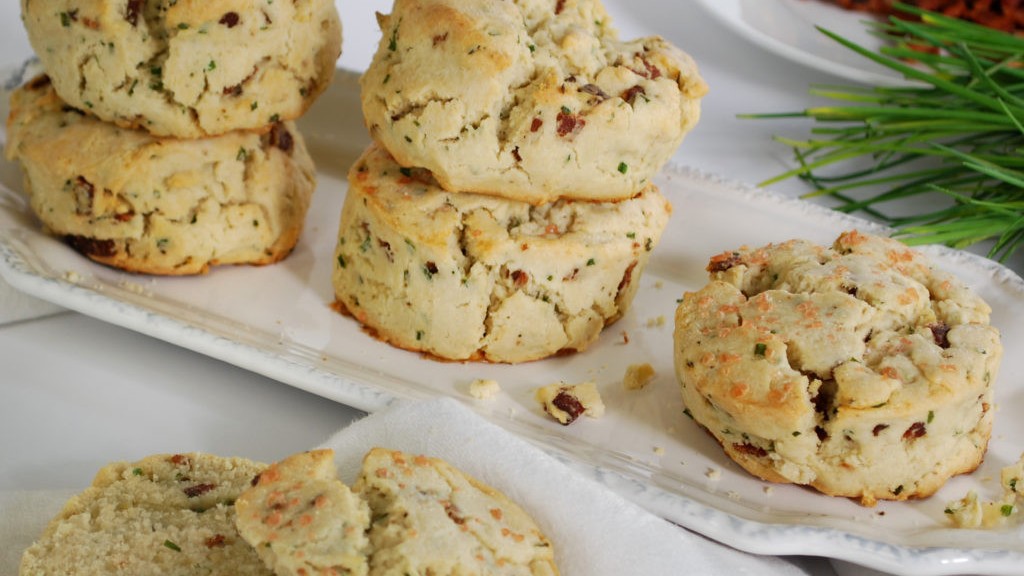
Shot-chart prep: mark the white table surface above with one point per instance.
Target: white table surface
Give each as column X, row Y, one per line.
column 76, row 393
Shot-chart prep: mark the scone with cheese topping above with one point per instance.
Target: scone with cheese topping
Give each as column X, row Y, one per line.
column 187, row 68
column 155, row 205
column 468, row 276
column 431, row 518
column 859, row 369
column 531, row 100
column 170, row 514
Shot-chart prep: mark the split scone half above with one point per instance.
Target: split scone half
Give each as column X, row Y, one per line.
column 187, row 68
column 169, row 514
column 531, row 100
column 155, row 205
column 858, row 369
column 406, row 514
column 474, row 277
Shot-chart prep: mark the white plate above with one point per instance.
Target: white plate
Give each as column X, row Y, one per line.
column 787, row 28
column 277, row 321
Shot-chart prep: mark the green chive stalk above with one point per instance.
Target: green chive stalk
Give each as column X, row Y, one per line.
column 954, row 134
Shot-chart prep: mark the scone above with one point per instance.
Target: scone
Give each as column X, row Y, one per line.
column 431, row 518
column 302, row 520
column 858, row 369
column 531, row 100
column 159, row 205
column 166, row 514
column 473, row 277
column 187, row 68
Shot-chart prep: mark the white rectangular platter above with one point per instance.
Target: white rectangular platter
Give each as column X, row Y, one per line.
column 278, row 321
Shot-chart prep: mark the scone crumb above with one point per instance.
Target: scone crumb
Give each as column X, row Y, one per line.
column 713, row 474
column 72, row 276
column 483, row 389
column 658, row 450
column 656, row 322
column 768, row 490
column 567, row 402
column 637, row 376
column 971, row 512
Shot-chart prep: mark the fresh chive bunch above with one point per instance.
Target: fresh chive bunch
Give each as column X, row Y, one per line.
column 955, row 132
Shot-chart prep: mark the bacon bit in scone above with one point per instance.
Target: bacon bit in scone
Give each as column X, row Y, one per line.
column 940, row 331
column 568, row 403
column 281, row 138
column 568, row 123
column 132, row 11
column 878, row 429
column 723, row 262
column 255, row 480
column 652, row 71
column 440, row 38
column 381, row 472
column 216, row 541
column 516, row 155
column 631, row 94
column 453, row 513
column 916, row 430
column 520, row 278
column 559, row 6
column 198, row 490
column 229, row 19
column 749, row 449
column 496, row 513
column 235, row 90
column 627, row 276
column 536, row 124
column 594, row 90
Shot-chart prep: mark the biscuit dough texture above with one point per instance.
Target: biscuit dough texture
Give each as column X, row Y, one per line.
column 431, row 518
column 154, row 205
column 858, row 369
column 531, row 100
column 302, row 520
column 187, row 68
column 405, row 514
column 165, row 514
column 469, row 276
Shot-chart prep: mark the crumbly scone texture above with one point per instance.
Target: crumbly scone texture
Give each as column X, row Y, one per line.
column 167, row 515
column 155, row 205
column 302, row 520
column 187, row 68
column 468, row 276
column 859, row 369
column 532, row 100
column 430, row 518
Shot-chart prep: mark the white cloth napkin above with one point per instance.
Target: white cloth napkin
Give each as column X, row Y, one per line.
column 595, row 532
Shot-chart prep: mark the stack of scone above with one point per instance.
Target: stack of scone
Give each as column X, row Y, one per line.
column 505, row 211
column 161, row 138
